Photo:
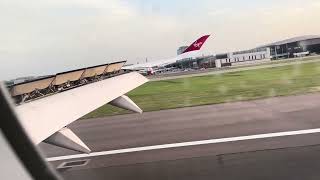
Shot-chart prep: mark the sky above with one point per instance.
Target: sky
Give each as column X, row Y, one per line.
column 45, row 37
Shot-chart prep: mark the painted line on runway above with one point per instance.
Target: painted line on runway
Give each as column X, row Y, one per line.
column 186, row 144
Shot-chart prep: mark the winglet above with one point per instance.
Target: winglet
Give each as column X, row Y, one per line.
column 197, row 44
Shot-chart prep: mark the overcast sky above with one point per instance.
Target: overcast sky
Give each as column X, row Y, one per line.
column 45, row 37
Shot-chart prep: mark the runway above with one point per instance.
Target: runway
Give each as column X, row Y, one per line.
column 286, row 157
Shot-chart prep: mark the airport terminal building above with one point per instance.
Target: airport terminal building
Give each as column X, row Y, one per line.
column 289, row 48
column 243, row 57
column 294, row 47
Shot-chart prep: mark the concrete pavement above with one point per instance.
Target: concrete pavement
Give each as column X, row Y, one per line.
column 201, row 123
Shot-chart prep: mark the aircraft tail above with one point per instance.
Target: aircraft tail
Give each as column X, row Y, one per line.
column 197, row 44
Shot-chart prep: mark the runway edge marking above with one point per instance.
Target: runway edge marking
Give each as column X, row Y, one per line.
column 185, row 144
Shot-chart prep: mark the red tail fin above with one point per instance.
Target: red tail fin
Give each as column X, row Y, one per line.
column 197, row 44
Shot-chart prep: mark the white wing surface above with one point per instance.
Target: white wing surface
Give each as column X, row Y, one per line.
column 44, row 117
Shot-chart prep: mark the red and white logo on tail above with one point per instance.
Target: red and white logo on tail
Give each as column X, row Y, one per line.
column 197, row 44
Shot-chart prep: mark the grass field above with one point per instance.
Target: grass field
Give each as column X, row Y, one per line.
column 228, row 87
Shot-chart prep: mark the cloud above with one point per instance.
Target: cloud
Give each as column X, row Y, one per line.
column 219, row 12
column 48, row 37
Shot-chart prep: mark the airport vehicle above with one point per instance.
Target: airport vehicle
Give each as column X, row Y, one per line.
column 195, row 46
column 146, row 71
column 47, row 105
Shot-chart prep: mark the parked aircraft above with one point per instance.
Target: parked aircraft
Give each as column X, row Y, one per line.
column 195, row 46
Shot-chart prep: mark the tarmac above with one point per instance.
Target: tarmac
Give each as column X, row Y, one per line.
column 281, row 157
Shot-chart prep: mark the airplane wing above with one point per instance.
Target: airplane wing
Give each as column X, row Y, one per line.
column 42, row 118
column 45, row 119
column 152, row 64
